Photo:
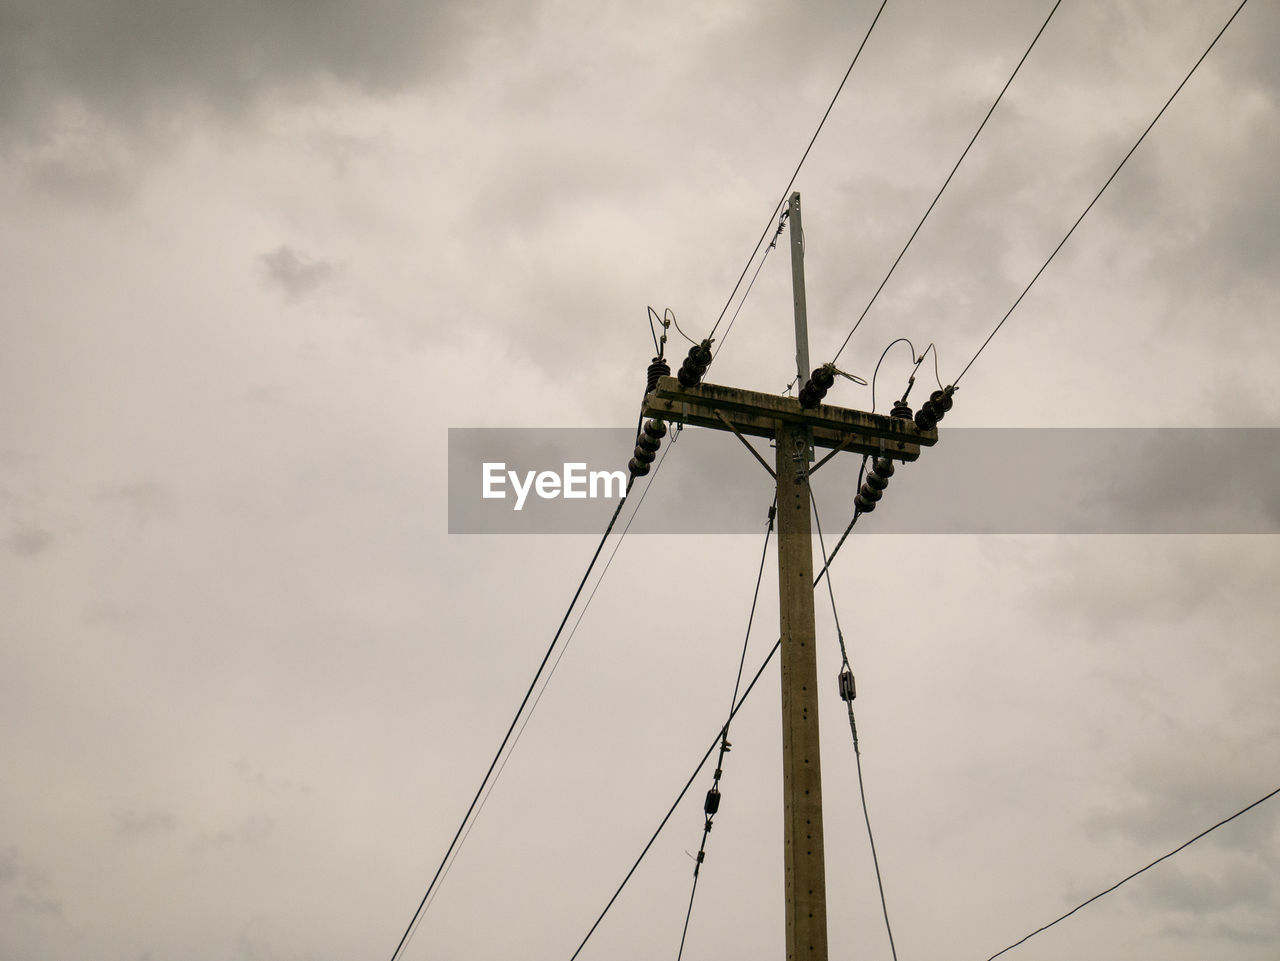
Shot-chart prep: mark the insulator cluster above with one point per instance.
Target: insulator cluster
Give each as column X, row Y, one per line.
column 933, row 409
column 647, row 447
column 816, row 387
column 695, row 365
column 873, row 485
column 659, row 368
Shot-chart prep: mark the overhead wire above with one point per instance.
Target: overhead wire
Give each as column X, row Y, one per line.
column 417, row 914
column 724, row 734
column 1114, row 173
column 676, row 803
column 747, row 293
column 705, row 757
column 582, row 611
column 786, row 192
column 1163, row 857
column 486, row 783
column 972, row 140
column 853, row 729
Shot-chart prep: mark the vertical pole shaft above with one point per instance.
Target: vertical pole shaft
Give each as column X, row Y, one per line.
column 797, row 289
column 806, row 877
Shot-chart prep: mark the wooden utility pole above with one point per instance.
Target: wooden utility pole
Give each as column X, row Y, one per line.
column 795, row 431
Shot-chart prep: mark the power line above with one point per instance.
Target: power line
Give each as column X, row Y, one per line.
column 1125, row 160
column 934, row 202
column 710, row 810
column 481, row 795
column 551, row 673
column 511, row 728
column 786, row 192
column 747, row 293
column 853, row 729
column 1162, row 857
column 679, row 797
column 705, row 757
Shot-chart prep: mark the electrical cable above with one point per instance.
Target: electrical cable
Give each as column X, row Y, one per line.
column 1125, row 160
column 417, row 914
column 554, row 665
column 885, row 353
column 679, row 797
column 747, row 293
column 853, row 729
column 705, row 757
column 724, row 734
column 1265, row 797
column 779, row 205
column 964, row 154
column 853, row 520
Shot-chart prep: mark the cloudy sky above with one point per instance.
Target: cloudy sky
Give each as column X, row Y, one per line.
column 257, row 258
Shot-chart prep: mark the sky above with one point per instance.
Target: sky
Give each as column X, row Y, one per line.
column 256, row 260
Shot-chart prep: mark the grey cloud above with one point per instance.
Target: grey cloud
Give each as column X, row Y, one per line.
column 138, row 824
column 100, row 613
column 1200, row 892
column 28, row 541
column 144, row 500
column 255, row 776
column 295, row 273
column 253, row 830
column 133, row 59
column 26, row 886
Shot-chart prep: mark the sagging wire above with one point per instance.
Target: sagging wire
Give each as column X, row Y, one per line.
column 911, row 380
column 712, row 803
column 669, row 317
column 847, row 693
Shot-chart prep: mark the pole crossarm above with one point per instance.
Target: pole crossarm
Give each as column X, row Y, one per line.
column 758, row 414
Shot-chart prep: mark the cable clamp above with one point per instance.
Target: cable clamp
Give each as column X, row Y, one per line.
column 848, row 690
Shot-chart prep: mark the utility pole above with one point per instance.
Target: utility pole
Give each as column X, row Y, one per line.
column 796, row 431
column 805, row 871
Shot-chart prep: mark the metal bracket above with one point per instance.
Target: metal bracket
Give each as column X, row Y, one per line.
column 738, row 434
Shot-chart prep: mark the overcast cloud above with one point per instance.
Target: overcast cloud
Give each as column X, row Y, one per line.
column 257, row 258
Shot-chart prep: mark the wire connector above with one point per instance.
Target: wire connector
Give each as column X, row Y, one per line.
column 848, row 690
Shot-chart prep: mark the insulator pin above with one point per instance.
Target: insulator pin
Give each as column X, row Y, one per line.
column 901, row 409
